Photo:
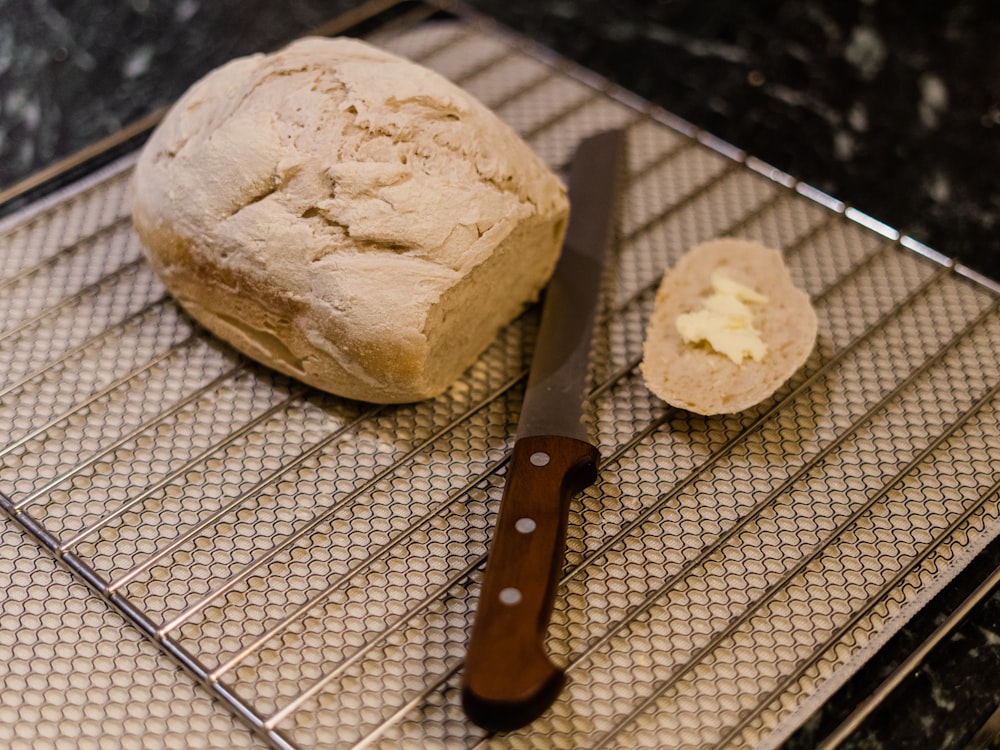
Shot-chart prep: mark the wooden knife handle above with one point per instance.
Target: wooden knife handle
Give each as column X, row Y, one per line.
column 509, row 679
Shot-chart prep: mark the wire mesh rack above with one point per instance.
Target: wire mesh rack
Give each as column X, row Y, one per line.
column 315, row 562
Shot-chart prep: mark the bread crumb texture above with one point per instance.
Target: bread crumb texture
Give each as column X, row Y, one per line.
column 347, row 216
column 704, row 369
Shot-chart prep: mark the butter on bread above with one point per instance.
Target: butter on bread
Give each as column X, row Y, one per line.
column 347, row 217
column 691, row 374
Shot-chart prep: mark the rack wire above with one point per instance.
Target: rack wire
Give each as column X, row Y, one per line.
column 315, row 561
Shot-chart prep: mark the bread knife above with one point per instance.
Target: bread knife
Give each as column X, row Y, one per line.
column 509, row 679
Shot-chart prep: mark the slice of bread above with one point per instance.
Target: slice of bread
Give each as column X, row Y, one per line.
column 347, row 217
column 695, row 377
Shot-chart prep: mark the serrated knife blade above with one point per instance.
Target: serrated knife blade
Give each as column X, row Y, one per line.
column 509, row 679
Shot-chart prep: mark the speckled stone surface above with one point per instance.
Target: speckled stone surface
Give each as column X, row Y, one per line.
column 892, row 107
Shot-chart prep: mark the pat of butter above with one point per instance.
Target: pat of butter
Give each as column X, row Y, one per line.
column 725, row 321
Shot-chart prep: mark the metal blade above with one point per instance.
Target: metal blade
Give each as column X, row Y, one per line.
column 553, row 401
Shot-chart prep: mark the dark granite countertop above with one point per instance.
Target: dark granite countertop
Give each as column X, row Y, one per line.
column 891, row 107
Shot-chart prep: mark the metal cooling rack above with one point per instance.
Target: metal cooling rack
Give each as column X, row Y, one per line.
column 315, row 561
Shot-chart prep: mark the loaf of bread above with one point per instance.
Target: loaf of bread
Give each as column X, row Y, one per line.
column 728, row 328
column 347, row 217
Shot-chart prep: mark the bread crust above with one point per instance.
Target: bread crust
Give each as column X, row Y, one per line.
column 698, row 379
column 346, row 217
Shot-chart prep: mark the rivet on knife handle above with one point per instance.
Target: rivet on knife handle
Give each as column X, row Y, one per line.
column 509, row 679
